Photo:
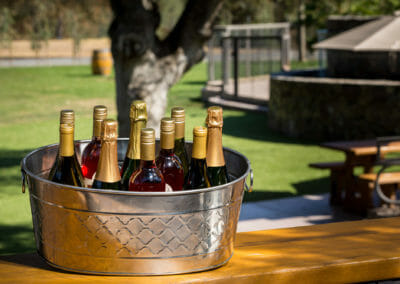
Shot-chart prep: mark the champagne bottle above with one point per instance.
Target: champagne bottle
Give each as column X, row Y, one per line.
column 66, row 169
column 197, row 176
column 107, row 174
column 138, row 117
column 216, row 167
column 178, row 114
column 148, row 177
column 168, row 163
column 91, row 153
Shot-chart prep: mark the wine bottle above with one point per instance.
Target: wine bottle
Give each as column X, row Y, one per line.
column 168, row 163
column 107, row 174
column 178, row 114
column 148, row 177
column 197, row 176
column 66, row 169
column 138, row 117
column 216, row 167
column 91, row 153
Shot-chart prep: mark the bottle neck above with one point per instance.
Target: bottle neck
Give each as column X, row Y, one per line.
column 198, row 163
column 147, row 164
column 133, row 152
column 107, row 168
column 166, row 152
column 97, row 128
column 199, row 147
column 147, row 151
column 66, row 144
column 180, row 130
column 167, row 140
column 215, row 155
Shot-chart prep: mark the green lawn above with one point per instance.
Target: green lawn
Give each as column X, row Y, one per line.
column 32, row 98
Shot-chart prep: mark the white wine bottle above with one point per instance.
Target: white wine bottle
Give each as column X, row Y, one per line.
column 66, row 168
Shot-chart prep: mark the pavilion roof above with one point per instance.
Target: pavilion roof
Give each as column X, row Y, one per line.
column 382, row 34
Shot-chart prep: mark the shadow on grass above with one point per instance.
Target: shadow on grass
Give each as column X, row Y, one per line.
column 10, row 174
column 16, row 239
column 10, row 158
column 195, row 82
column 314, row 186
column 254, row 125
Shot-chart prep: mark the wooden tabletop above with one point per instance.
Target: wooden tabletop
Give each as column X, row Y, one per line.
column 362, row 147
column 355, row 251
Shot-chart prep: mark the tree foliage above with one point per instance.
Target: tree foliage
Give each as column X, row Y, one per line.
column 246, row 11
column 7, row 32
column 92, row 20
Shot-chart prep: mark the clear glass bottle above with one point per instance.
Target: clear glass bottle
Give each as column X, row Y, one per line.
column 148, row 177
column 216, row 167
column 91, row 153
column 197, row 176
column 138, row 117
column 168, row 163
column 107, row 174
column 178, row 114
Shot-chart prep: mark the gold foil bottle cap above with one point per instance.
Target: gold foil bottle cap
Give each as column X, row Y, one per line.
column 147, row 136
column 67, row 116
column 99, row 112
column 167, row 125
column 199, row 131
column 199, row 142
column 109, row 129
column 178, row 114
column 214, row 117
column 138, row 111
column 66, row 128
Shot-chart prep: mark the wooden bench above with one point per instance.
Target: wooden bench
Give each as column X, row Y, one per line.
column 344, row 252
column 389, row 182
column 337, row 179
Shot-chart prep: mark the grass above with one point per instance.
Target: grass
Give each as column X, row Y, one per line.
column 31, row 101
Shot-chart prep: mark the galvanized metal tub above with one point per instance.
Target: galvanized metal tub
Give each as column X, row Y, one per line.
column 132, row 233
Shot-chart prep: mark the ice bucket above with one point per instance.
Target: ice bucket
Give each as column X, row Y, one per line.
column 131, row 233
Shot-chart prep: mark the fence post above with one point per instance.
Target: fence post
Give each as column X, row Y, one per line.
column 226, row 60
column 248, row 54
column 285, row 49
column 211, row 61
column 236, row 66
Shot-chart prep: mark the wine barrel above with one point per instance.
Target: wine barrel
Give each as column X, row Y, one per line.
column 101, row 62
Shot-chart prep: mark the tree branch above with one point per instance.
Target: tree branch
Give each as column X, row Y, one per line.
column 192, row 30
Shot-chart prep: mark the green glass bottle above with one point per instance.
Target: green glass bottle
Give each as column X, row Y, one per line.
column 178, row 114
column 66, row 168
column 197, row 175
column 107, row 173
column 138, row 117
column 216, row 167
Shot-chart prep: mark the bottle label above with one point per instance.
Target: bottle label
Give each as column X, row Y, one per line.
column 89, row 181
column 168, row 188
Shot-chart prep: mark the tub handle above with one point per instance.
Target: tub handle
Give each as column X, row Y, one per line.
column 250, row 188
column 23, row 177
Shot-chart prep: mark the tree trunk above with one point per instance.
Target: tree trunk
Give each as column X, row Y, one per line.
column 145, row 67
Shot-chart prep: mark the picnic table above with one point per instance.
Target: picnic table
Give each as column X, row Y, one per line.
column 357, row 153
column 344, row 252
